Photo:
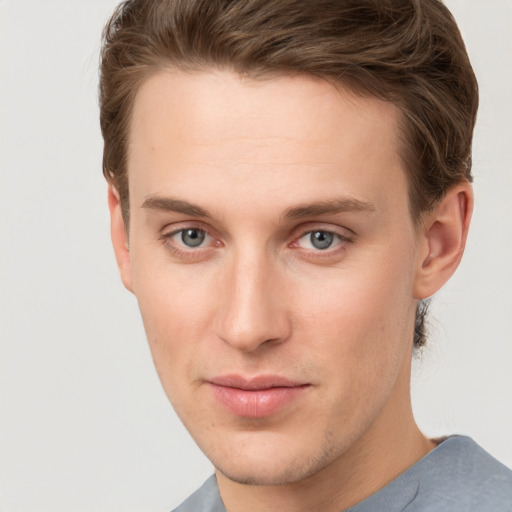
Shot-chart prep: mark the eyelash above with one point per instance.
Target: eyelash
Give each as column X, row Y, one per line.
column 190, row 252
column 338, row 237
column 182, row 251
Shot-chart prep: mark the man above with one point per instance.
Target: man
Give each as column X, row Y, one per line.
column 289, row 183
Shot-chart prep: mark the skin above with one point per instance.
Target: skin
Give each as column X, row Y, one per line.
column 244, row 161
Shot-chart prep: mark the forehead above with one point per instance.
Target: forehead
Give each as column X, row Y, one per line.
column 218, row 130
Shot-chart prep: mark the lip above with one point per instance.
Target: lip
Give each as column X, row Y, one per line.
column 256, row 397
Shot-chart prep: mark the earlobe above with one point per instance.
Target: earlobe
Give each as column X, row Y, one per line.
column 443, row 240
column 119, row 237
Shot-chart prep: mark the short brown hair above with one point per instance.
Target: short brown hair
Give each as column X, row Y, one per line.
column 409, row 52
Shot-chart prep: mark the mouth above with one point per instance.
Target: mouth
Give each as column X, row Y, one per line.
column 256, row 397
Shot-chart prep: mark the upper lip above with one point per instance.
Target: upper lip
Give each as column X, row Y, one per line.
column 255, row 382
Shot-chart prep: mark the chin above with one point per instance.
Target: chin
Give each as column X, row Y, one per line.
column 262, row 478
column 272, row 465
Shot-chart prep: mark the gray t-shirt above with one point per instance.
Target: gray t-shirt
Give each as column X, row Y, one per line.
column 457, row 476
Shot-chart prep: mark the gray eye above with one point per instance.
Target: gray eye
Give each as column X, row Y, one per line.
column 193, row 237
column 321, row 239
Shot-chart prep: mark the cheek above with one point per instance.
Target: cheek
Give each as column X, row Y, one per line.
column 357, row 300
column 176, row 305
column 361, row 318
column 357, row 332
column 171, row 296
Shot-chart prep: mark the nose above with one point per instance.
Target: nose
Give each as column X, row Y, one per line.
column 253, row 310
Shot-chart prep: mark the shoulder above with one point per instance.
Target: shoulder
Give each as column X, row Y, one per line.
column 205, row 499
column 461, row 474
column 458, row 476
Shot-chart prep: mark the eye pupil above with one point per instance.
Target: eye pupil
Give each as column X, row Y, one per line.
column 192, row 237
column 321, row 239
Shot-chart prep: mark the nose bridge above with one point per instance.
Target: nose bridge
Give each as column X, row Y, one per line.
column 252, row 311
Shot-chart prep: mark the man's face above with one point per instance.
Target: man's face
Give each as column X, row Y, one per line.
column 273, row 258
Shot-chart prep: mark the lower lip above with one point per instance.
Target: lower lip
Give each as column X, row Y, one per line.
column 257, row 403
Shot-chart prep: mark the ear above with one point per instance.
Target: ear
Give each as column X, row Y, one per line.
column 119, row 237
column 443, row 239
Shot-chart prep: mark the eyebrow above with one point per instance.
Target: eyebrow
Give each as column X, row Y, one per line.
column 174, row 205
column 340, row 205
column 331, row 206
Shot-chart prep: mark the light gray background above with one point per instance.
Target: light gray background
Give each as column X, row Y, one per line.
column 85, row 425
